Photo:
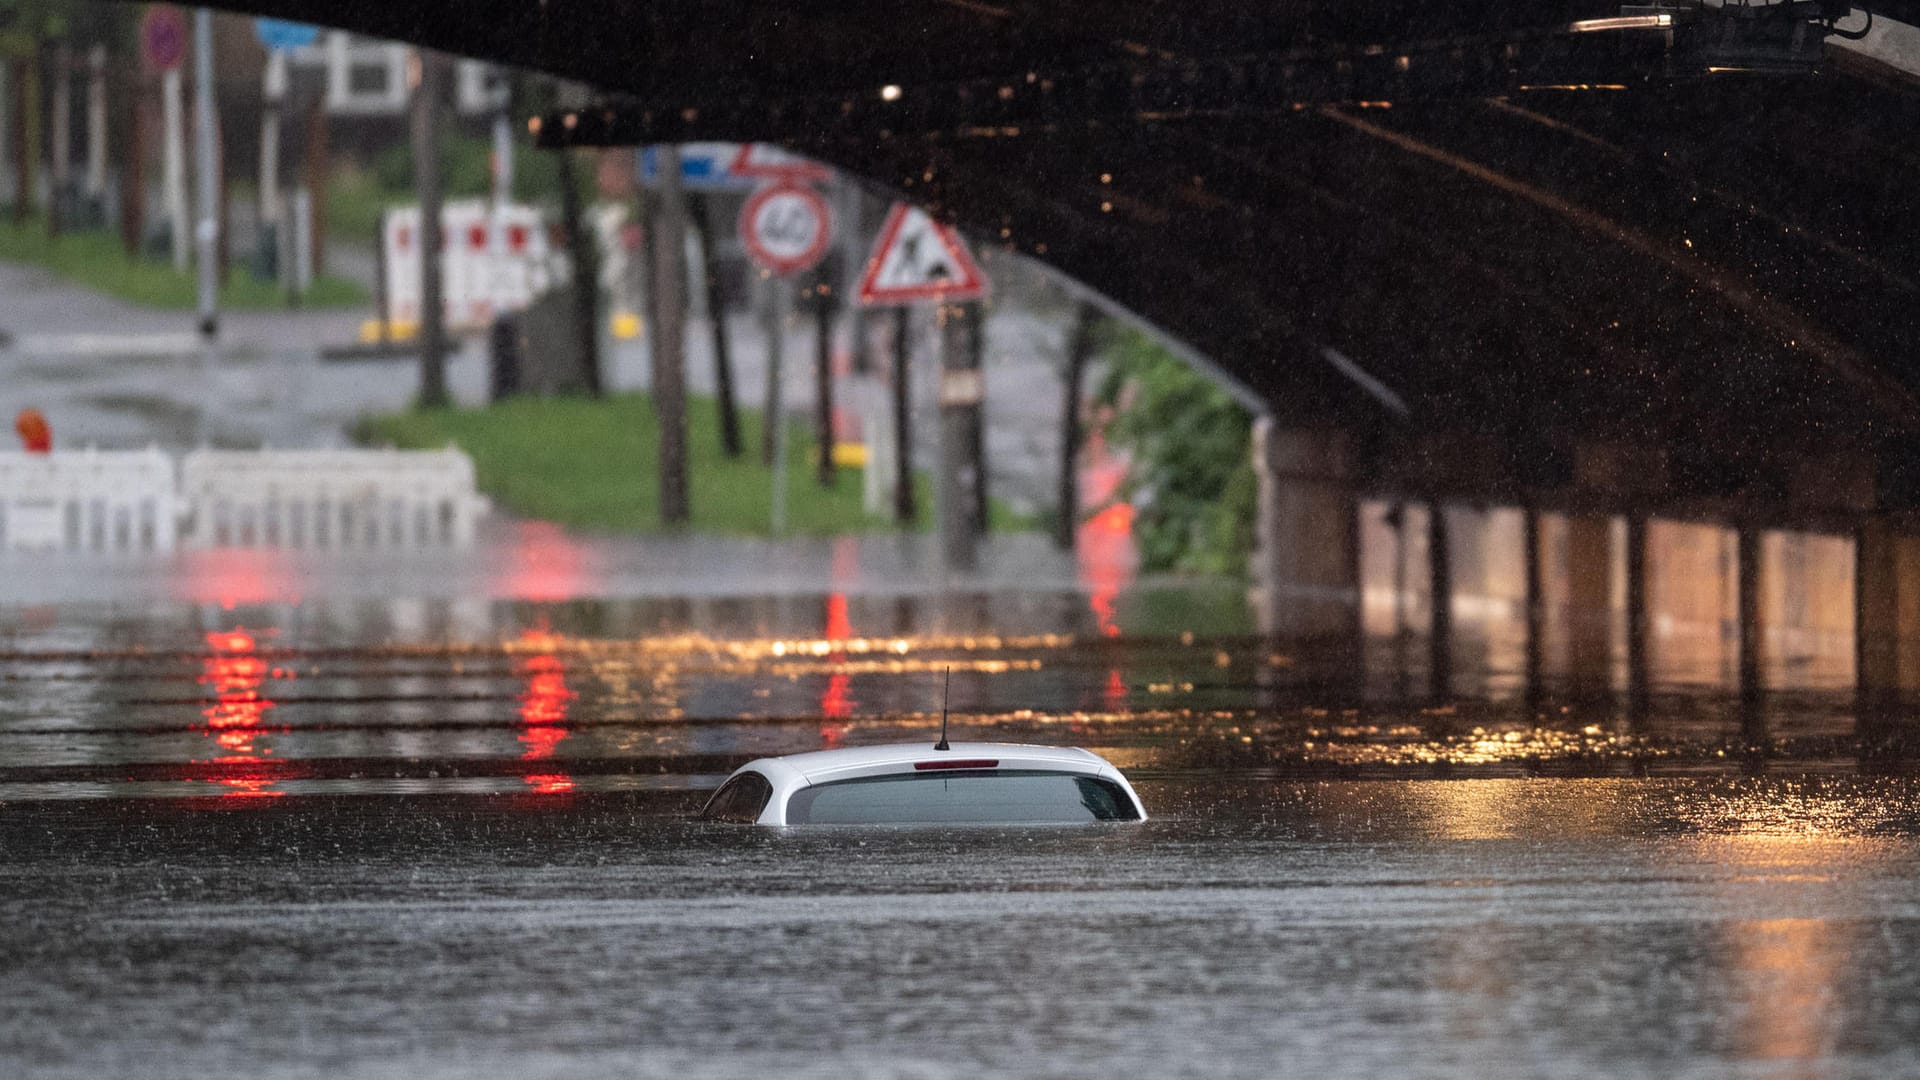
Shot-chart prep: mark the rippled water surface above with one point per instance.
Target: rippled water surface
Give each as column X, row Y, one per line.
column 450, row 839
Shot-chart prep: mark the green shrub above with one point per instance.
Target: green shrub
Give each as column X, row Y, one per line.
column 1191, row 476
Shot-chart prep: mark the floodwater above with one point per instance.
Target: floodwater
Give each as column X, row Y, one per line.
column 390, row 838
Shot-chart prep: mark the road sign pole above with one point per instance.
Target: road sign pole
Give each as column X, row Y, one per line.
column 173, row 169
column 97, row 124
column 959, row 404
column 914, row 259
column 503, row 141
column 785, row 227
column 207, row 231
column 273, row 92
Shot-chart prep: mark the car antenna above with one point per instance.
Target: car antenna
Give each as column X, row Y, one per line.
column 944, row 687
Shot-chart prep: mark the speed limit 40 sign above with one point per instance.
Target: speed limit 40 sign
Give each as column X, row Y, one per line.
column 785, row 227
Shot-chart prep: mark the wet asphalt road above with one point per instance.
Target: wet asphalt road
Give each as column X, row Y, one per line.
column 378, row 840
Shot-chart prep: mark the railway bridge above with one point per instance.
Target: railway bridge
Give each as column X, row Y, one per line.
column 1601, row 317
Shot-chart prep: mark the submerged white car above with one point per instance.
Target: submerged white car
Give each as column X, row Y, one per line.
column 912, row 784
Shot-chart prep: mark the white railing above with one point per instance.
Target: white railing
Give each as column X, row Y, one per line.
column 328, row 499
column 89, row 500
column 131, row 502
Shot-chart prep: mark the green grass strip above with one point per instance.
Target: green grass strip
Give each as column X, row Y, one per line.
column 592, row 464
column 96, row 259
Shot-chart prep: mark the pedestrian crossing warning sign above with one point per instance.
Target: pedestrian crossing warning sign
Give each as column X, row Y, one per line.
column 917, row 258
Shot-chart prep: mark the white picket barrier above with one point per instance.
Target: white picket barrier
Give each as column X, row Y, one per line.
column 107, row 501
column 329, row 499
column 494, row 259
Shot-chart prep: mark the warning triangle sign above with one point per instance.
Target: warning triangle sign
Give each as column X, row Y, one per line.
column 917, row 258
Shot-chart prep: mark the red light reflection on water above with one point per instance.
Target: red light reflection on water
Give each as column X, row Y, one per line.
column 543, row 709
column 1105, row 551
column 236, row 673
column 836, row 701
column 544, row 563
column 835, row 704
column 1105, row 554
column 230, row 576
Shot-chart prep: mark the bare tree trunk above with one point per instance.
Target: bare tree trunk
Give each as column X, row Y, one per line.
column 823, row 308
column 426, row 172
column 976, row 319
column 905, row 510
column 136, row 107
column 716, row 305
column 957, row 475
column 226, row 200
column 670, row 391
column 317, row 165
column 26, row 103
column 774, row 412
column 585, row 256
column 1079, row 351
column 60, row 142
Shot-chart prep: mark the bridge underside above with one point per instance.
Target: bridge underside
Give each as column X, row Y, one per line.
column 1475, row 238
column 1726, row 271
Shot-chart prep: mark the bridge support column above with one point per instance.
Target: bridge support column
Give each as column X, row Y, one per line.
column 1440, row 577
column 1752, row 624
column 1886, row 617
column 1638, row 616
column 1307, row 553
column 1535, row 608
column 1589, row 607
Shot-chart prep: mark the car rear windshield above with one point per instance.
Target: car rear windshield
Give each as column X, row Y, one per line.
column 987, row 796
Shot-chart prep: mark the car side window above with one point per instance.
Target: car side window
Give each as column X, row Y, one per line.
column 741, row 799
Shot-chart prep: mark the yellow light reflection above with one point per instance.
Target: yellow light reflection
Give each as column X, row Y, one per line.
column 1790, row 968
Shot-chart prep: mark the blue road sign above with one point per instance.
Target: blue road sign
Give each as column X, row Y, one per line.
column 281, row 34
column 703, row 167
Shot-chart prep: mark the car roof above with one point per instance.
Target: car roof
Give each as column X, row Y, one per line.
column 796, row 771
column 819, row 764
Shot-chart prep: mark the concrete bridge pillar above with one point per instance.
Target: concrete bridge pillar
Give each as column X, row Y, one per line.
column 1691, row 603
column 1886, row 616
column 1535, row 610
column 1639, row 616
column 1752, row 621
column 1307, row 551
column 1440, row 573
column 1588, row 611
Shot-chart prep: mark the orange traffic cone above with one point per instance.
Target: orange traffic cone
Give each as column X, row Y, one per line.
column 35, row 435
